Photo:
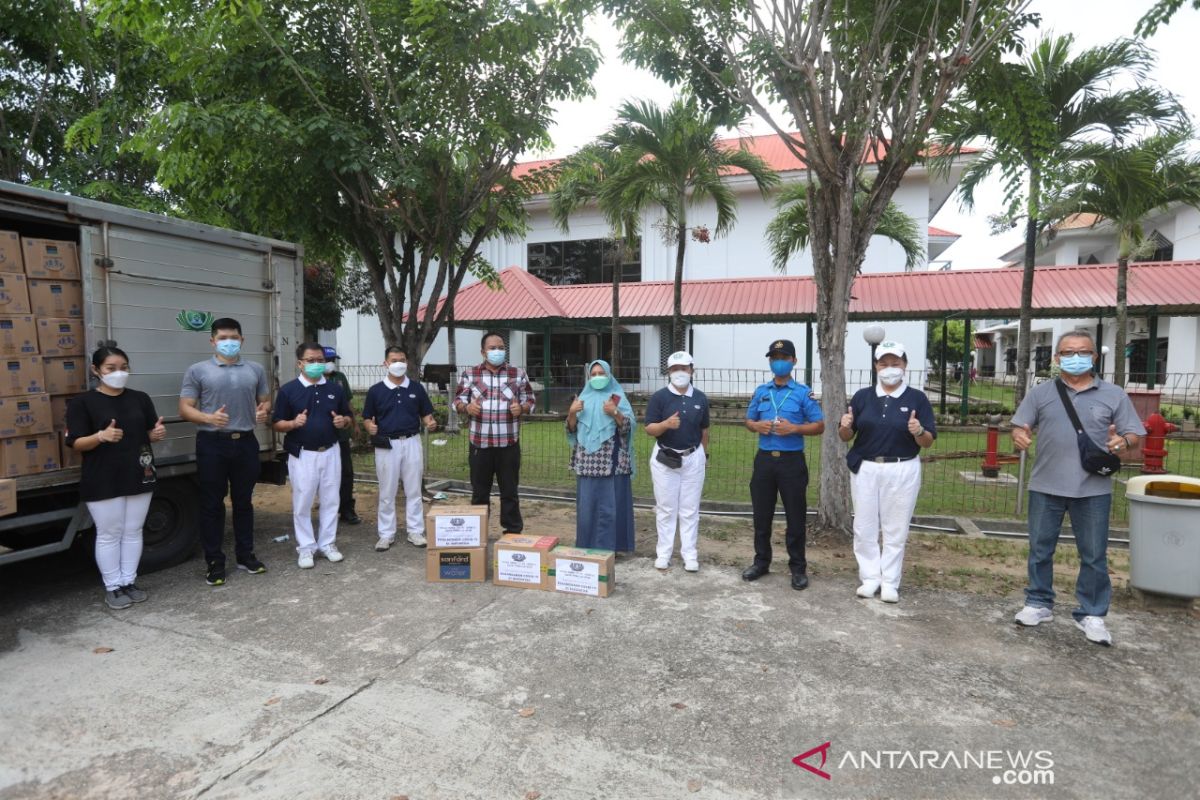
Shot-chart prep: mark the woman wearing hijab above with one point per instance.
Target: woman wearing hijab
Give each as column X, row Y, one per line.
column 600, row 430
column 889, row 423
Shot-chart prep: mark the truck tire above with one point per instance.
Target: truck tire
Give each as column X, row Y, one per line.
column 169, row 535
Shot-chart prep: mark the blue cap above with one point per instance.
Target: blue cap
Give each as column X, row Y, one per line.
column 330, row 353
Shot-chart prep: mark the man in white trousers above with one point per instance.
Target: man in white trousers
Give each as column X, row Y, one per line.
column 311, row 411
column 677, row 416
column 393, row 413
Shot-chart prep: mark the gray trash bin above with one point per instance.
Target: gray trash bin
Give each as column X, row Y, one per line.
column 1164, row 534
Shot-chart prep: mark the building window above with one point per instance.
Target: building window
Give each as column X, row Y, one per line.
column 1164, row 248
column 571, row 352
column 584, row 261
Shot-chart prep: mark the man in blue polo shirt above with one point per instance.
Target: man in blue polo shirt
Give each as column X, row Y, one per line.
column 311, row 411
column 782, row 412
column 677, row 416
column 393, row 413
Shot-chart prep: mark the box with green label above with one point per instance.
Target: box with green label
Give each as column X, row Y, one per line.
column 582, row 570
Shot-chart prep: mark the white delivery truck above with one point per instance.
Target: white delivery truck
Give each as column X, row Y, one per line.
column 152, row 286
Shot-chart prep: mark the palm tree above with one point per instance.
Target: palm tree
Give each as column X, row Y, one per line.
column 669, row 158
column 1044, row 116
column 788, row 232
column 1124, row 185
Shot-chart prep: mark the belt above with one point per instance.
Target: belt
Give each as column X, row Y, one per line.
column 227, row 434
column 778, row 453
column 320, row 449
column 402, row 435
column 687, row 452
column 889, row 459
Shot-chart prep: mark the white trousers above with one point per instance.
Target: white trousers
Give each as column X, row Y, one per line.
column 315, row 475
column 119, row 523
column 884, row 498
column 401, row 464
column 677, row 502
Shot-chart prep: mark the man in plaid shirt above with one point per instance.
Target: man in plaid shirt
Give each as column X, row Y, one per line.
column 494, row 396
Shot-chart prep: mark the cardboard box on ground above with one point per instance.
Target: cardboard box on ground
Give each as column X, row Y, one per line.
column 522, row 561
column 456, row 565
column 580, row 570
column 456, row 526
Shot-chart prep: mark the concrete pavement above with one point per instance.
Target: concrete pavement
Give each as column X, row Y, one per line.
column 360, row 680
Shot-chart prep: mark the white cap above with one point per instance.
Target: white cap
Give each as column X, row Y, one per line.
column 679, row 358
column 894, row 348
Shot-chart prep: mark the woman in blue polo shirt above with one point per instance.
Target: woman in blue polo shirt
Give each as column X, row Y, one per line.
column 889, row 423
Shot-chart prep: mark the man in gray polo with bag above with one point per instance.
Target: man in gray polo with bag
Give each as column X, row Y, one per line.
column 1082, row 424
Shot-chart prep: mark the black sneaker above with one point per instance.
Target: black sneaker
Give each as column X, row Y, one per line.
column 135, row 594
column 350, row 518
column 252, row 565
column 216, row 574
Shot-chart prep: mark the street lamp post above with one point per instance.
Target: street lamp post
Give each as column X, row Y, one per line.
column 873, row 335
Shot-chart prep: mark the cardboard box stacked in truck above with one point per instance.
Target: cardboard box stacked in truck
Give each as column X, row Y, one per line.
column 49, row 298
column 53, row 259
column 11, row 260
column 456, row 549
column 14, row 294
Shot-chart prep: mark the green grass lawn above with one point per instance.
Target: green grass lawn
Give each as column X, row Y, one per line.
column 545, row 453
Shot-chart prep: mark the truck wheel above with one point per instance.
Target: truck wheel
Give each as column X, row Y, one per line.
column 169, row 535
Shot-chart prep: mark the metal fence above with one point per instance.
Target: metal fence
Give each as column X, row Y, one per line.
column 952, row 481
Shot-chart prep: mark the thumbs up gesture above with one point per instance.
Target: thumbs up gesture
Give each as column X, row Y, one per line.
column 260, row 413
column 218, row 419
column 1022, row 437
column 848, row 418
column 914, row 425
column 372, row 427
column 159, row 431
column 672, row 421
column 1116, row 442
column 338, row 420
column 111, row 434
column 301, row 419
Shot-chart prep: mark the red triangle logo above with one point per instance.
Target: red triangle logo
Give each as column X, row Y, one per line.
column 823, row 749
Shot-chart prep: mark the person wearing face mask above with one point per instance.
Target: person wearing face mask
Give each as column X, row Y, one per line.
column 677, row 416
column 782, row 412
column 889, row 423
column 113, row 427
column 600, row 431
column 346, row 512
column 494, row 396
column 1060, row 485
column 311, row 410
column 226, row 396
column 393, row 413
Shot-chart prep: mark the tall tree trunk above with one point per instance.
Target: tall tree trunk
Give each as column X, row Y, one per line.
column 1119, row 339
column 1024, row 331
column 677, row 342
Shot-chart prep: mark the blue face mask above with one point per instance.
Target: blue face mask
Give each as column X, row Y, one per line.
column 598, row 382
column 1075, row 365
column 229, row 347
column 496, row 357
column 781, row 367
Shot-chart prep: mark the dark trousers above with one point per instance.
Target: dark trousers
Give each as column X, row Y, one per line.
column 224, row 464
column 505, row 464
column 784, row 476
column 346, row 507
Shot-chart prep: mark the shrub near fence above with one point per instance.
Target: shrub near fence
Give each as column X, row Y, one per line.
column 950, row 484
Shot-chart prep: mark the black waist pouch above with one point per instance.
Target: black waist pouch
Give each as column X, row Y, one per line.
column 668, row 458
column 1092, row 458
column 381, row 441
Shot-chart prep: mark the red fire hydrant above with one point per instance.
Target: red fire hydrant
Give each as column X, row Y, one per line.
column 991, row 463
column 1154, row 448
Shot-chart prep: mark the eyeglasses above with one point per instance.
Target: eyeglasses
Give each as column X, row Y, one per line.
column 312, row 360
column 1069, row 353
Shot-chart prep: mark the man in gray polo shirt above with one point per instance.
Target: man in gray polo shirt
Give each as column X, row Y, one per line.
column 226, row 397
column 1060, row 485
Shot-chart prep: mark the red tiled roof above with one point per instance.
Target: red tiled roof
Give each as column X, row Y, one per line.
column 1169, row 287
column 943, row 233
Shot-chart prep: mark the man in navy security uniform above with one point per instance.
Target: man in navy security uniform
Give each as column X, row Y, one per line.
column 782, row 412
column 311, row 410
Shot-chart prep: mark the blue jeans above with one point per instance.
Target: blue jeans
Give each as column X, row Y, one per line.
column 1089, row 523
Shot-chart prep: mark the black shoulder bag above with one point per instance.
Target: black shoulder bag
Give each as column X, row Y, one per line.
column 1094, row 460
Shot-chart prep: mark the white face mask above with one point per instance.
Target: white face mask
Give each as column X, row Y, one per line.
column 115, row 380
column 890, row 376
column 680, row 379
column 397, row 369
column 330, row 367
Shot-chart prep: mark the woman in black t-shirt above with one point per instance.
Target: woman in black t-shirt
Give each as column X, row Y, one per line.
column 113, row 427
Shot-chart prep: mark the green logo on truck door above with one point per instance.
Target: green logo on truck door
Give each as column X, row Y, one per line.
column 194, row 320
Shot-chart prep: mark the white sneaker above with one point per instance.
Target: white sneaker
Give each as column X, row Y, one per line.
column 662, row 563
column 888, row 594
column 382, row 544
column 691, row 565
column 332, row 553
column 867, row 590
column 1095, row 630
column 416, row 539
column 305, row 561
column 1033, row 615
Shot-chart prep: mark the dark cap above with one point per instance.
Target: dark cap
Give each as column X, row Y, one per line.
column 330, row 353
column 784, row 346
